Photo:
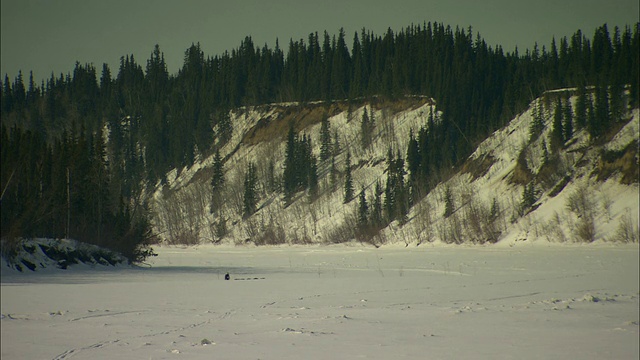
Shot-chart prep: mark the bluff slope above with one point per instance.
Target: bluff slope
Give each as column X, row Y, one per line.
column 511, row 189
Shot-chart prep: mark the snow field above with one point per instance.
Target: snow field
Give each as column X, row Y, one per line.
column 530, row 301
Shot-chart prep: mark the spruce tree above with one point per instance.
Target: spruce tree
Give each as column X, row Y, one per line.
column 7, row 96
column 590, row 117
column 325, row 138
column 217, row 180
column 413, row 162
column 616, row 99
column 396, row 194
column 567, row 124
column 19, row 94
column 581, row 107
column 537, row 125
column 401, row 193
column 545, row 153
column 449, row 206
column 32, row 90
column 389, row 191
column 557, row 133
column 306, row 162
column 528, row 198
column 365, row 130
column 250, row 195
column 495, row 210
column 224, row 127
column 599, row 122
column 348, row 181
column 340, row 67
column 363, row 210
column 376, row 209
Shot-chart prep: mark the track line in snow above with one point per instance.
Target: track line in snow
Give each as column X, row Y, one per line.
column 107, row 314
column 514, row 296
column 74, row 351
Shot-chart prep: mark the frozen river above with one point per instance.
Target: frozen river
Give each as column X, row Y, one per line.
column 337, row 302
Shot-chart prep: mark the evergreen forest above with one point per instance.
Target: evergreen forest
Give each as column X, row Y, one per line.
column 81, row 151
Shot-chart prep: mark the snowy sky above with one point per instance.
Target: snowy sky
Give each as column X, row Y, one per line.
column 46, row 36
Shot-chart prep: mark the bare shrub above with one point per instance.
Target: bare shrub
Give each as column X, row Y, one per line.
column 181, row 215
column 273, row 234
column 607, row 202
column 218, row 229
column 553, row 230
column 474, row 216
column 387, row 128
column 300, row 236
column 481, row 222
column 627, row 230
column 234, row 191
column 251, row 230
column 313, row 213
column 268, row 179
column 492, row 227
column 450, row 230
column 581, row 202
column 261, row 233
column 344, row 232
column 586, row 229
column 379, row 238
column 366, row 234
column 423, row 222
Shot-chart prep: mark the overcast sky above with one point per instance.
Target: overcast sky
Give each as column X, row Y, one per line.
column 50, row 36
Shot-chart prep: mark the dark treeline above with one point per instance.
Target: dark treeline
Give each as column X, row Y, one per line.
column 64, row 189
column 157, row 121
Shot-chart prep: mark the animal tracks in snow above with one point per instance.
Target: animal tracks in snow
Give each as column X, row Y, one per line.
column 304, row 331
column 580, row 302
column 171, row 335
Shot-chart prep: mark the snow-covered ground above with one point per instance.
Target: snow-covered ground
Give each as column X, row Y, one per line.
column 534, row 300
